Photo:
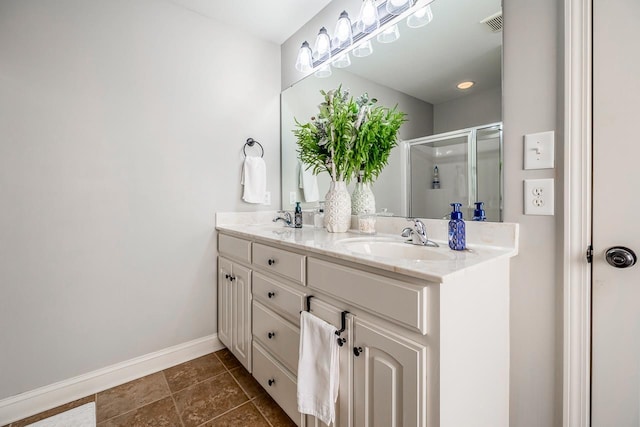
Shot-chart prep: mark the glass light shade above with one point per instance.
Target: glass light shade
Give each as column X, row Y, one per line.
column 343, row 36
column 304, row 61
column 368, row 21
column 396, row 7
column 342, row 61
column 322, row 48
column 323, row 71
column 363, row 49
column 389, row 35
column 420, row 18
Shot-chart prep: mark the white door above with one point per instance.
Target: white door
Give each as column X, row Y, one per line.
column 616, row 209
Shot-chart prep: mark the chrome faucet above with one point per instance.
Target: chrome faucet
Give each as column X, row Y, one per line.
column 418, row 234
column 288, row 222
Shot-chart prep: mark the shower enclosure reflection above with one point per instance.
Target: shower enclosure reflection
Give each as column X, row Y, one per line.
column 463, row 166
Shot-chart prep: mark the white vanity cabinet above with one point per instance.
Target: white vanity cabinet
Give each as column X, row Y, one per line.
column 418, row 350
column 234, row 298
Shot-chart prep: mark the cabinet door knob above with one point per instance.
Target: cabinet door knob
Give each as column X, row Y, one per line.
column 226, row 276
column 271, row 261
column 357, row 351
column 271, row 335
column 271, row 382
column 271, row 294
column 232, row 278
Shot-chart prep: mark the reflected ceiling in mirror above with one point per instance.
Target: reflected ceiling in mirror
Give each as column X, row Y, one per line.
column 419, row 72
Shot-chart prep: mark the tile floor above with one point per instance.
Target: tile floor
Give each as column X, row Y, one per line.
column 210, row 391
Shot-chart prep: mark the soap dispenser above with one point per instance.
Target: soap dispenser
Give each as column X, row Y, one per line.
column 297, row 218
column 457, row 239
column 479, row 213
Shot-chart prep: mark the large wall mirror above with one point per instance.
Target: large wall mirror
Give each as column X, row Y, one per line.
column 420, row 72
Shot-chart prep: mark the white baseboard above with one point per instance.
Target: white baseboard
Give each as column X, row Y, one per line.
column 35, row 401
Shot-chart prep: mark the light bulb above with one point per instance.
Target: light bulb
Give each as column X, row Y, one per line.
column 322, row 48
column 396, row 7
column 389, row 35
column 420, row 18
column 343, row 37
column 304, row 61
column 368, row 20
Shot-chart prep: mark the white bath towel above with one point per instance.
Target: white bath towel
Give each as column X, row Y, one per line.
column 254, row 179
column 309, row 184
column 318, row 368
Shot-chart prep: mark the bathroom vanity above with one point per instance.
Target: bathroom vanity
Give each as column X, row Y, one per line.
column 424, row 331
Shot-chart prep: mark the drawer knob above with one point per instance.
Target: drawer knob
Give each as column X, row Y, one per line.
column 271, row 294
column 271, row 335
column 271, row 261
column 357, row 351
column 271, row 382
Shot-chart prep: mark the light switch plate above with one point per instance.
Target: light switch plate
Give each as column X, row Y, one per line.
column 539, row 150
column 267, row 198
column 538, row 196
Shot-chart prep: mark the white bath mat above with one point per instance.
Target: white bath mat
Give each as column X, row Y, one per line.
column 82, row 416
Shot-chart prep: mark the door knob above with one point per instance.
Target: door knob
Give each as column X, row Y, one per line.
column 621, row 257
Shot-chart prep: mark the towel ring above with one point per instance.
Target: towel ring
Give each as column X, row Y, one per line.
column 250, row 142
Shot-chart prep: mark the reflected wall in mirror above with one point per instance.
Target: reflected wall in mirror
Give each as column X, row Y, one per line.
column 419, row 72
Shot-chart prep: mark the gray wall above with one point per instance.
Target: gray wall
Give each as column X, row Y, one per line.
column 531, row 88
column 121, row 132
column 475, row 109
column 532, row 76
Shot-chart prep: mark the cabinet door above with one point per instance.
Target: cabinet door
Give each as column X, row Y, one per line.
column 224, row 301
column 241, row 315
column 390, row 388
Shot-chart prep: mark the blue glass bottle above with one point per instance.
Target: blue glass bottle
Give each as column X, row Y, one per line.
column 479, row 213
column 457, row 239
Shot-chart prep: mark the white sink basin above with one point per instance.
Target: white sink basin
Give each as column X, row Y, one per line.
column 394, row 249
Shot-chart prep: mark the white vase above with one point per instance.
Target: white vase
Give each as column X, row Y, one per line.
column 362, row 199
column 337, row 208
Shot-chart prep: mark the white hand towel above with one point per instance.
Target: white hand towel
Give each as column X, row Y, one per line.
column 318, row 368
column 254, row 179
column 309, row 184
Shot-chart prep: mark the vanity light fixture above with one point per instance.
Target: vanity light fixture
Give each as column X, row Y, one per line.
column 420, row 18
column 363, row 49
column 396, row 7
column 304, row 61
column 380, row 21
column 368, row 21
column 322, row 48
column 343, row 35
column 465, row 85
column 389, row 35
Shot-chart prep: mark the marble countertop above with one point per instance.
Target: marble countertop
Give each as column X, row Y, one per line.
column 485, row 242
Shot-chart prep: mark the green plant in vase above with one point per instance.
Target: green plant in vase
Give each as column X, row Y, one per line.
column 348, row 138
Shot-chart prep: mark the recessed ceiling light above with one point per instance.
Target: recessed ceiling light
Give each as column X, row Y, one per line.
column 465, row 85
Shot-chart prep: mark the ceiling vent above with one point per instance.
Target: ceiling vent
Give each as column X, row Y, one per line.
column 494, row 22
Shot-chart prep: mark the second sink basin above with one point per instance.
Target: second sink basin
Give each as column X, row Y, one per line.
column 394, row 249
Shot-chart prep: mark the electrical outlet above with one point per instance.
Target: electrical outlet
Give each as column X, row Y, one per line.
column 538, row 196
column 267, row 198
column 292, row 197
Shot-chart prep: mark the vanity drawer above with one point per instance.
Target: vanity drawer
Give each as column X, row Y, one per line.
column 288, row 264
column 277, row 335
column 403, row 302
column 234, row 247
column 279, row 384
column 279, row 298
